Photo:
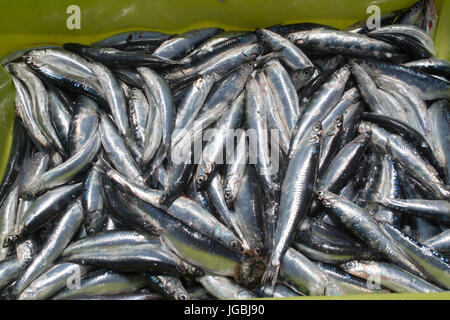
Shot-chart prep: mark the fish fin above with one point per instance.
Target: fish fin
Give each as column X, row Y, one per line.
column 270, row 276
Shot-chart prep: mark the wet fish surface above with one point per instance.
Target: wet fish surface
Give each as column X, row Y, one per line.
column 290, row 160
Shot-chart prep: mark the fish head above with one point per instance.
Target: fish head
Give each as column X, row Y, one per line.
column 325, row 197
column 338, row 121
column 356, row 268
column 203, row 174
column 263, row 34
column 364, row 126
column 342, row 74
column 181, row 295
column 417, row 8
column 302, row 76
column 363, row 138
column 32, row 189
column 228, row 193
column 355, row 67
column 316, row 133
column 298, row 38
column 10, row 240
column 237, row 246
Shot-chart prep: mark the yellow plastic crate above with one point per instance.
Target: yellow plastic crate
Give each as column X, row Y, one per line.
column 31, row 23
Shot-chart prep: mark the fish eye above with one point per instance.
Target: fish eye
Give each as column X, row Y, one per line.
column 201, row 179
column 163, row 198
column 28, row 195
column 367, row 133
column 307, row 72
column 9, row 240
column 350, row 264
column 201, row 80
column 234, row 244
column 317, row 127
column 196, row 270
column 182, row 296
column 28, row 59
column 227, row 194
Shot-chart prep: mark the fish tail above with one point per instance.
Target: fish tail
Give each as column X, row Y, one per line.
column 270, row 276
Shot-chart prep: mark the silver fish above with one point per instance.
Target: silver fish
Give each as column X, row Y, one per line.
column 440, row 242
column 235, row 170
column 439, row 124
column 191, row 104
column 299, row 272
column 108, row 282
column 284, row 93
column 219, row 146
column 66, row 171
column 9, row 271
column 40, row 104
column 170, row 287
column 389, row 276
column 319, row 106
column 296, row 199
column 139, row 115
column 53, row 280
column 224, row 289
column 433, row 265
column 361, row 223
column 66, row 227
column 116, row 149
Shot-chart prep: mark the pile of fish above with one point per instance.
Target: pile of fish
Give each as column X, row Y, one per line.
column 293, row 160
